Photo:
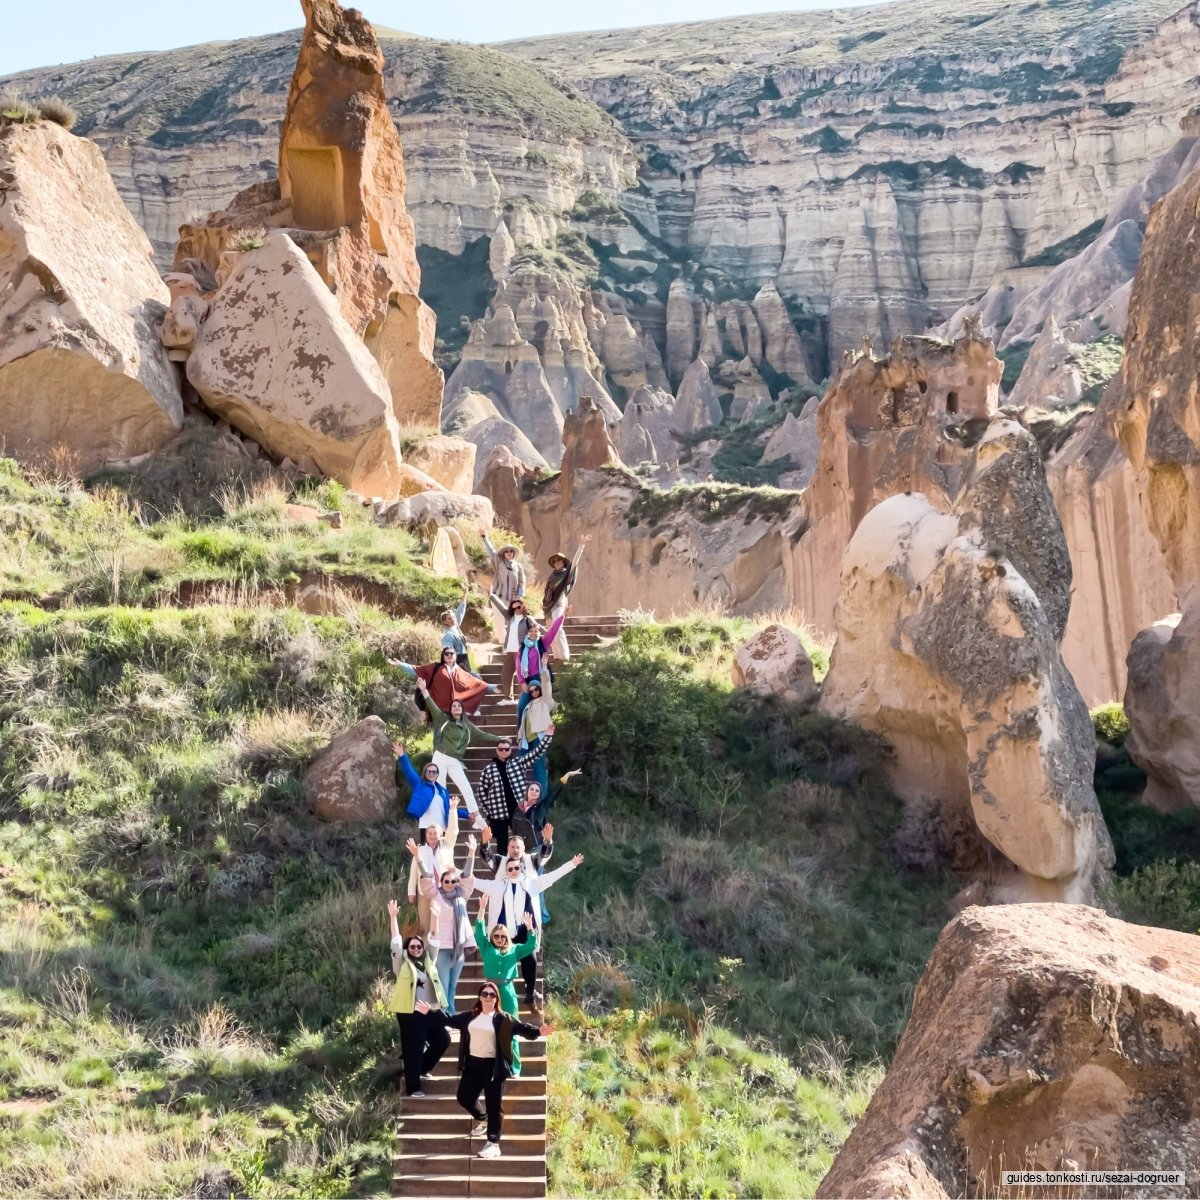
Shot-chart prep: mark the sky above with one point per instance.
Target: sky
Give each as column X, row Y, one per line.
column 63, row 31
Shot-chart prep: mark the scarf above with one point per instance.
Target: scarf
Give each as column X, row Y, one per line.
column 457, row 901
column 554, row 588
column 528, row 645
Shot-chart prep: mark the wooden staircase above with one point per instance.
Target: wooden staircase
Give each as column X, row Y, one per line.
column 435, row 1154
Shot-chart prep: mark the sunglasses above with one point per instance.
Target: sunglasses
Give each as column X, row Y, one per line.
column 488, row 996
column 515, row 867
column 499, row 937
column 416, row 948
column 503, row 749
column 450, row 881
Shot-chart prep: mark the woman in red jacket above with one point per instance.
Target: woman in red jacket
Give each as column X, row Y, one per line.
column 447, row 682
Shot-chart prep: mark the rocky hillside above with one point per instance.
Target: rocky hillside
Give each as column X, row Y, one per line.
column 880, row 165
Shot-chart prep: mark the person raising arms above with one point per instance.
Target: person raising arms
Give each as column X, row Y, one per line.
column 502, row 783
column 453, row 734
column 558, row 587
column 450, row 927
column 447, row 681
column 436, row 854
column 486, row 1057
column 422, row 1041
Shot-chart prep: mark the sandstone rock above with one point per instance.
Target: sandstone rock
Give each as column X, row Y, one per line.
column 750, row 394
column 341, row 189
column 1051, row 377
column 81, row 365
column 181, row 325
column 277, row 359
column 883, row 427
column 448, row 554
column 1159, row 427
column 782, row 350
column 948, row 628
column 495, row 431
column 466, row 408
column 696, row 403
column 1121, row 583
column 775, row 662
column 437, row 508
column 412, row 482
column 586, row 441
column 503, row 481
column 449, row 460
column 682, row 331
column 1080, row 284
column 1043, row 1038
column 501, row 249
column 353, row 778
column 796, row 440
column 644, row 434
column 1162, row 701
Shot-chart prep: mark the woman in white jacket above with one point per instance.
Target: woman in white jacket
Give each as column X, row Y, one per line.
column 514, row 894
column 435, row 854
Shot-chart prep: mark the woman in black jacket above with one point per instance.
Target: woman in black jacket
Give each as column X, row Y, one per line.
column 485, row 1059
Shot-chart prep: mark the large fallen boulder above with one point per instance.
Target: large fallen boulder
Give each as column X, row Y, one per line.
column 353, row 778
column 81, row 364
column 948, row 633
column 1042, row 1038
column 437, row 508
column 1162, row 701
column 774, row 662
column 449, row 460
column 277, row 360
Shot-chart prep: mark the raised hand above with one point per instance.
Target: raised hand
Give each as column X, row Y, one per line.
column 545, row 1030
column 548, row 832
column 472, row 845
column 526, row 921
column 393, row 909
column 399, row 749
column 411, row 847
column 486, row 834
column 577, row 859
column 572, row 774
column 550, row 729
column 422, row 687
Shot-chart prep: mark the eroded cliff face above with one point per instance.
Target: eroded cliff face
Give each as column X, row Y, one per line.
column 878, row 167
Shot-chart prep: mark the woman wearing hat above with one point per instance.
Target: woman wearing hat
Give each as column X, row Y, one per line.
column 558, row 587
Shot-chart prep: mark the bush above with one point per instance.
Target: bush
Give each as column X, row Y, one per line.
column 1111, row 724
column 56, row 109
column 1164, row 893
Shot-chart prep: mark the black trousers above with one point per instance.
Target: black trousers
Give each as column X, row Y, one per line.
column 499, row 837
column 528, row 964
column 423, row 1042
column 477, row 1077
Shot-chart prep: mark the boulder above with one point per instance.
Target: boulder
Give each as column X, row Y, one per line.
column 449, row 460
column 436, row 508
column 277, row 360
column 1044, row 1038
column 948, row 630
column 751, row 396
column 81, row 364
column 353, row 778
column 181, row 325
column 587, row 445
column 797, row 442
column 486, row 435
column 1162, row 701
column 774, row 662
column 1051, row 377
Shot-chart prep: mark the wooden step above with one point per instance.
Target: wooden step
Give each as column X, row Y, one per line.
column 472, row 1185
column 439, row 1084
column 422, row 1142
column 455, row 1123
column 510, row 1163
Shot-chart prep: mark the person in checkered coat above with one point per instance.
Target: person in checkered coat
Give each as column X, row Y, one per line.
column 502, row 784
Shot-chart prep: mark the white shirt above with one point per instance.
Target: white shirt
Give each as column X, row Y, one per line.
column 483, row 1037
column 512, row 895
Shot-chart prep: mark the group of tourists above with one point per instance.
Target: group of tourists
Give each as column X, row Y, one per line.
column 509, row 808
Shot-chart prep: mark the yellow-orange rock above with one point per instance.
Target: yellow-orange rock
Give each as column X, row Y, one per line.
column 81, row 365
column 1042, row 1037
column 341, row 187
column 449, row 460
column 1160, row 428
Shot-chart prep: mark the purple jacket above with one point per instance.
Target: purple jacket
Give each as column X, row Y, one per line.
column 535, row 652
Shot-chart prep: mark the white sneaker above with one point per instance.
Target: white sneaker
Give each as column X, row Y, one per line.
column 490, row 1150
column 479, row 1129
column 506, row 704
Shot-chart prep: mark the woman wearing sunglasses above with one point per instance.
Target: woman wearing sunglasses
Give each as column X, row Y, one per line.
column 502, row 956
column 423, row 1041
column 449, row 925
column 514, row 625
column 487, row 1057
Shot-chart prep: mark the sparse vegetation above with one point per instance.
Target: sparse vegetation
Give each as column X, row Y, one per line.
column 56, row 109
column 709, row 502
column 1051, row 256
column 248, row 239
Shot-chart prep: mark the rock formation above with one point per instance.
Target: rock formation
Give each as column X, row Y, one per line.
column 353, row 778
column 1041, row 1038
column 774, row 662
column 1162, row 700
column 276, row 358
column 81, row 365
column 884, row 426
column 449, row 460
column 340, row 191
column 948, row 629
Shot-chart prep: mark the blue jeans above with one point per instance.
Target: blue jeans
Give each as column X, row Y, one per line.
column 522, row 705
column 448, row 973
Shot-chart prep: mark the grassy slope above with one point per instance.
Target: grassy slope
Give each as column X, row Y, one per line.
column 192, row 969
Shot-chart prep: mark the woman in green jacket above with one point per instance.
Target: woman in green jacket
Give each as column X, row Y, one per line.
column 501, row 961
column 418, row 989
column 452, row 734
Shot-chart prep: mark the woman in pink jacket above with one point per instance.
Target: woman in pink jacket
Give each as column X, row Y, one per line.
column 529, row 656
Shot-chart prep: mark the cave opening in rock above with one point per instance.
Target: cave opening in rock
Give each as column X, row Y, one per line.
column 316, row 183
column 951, row 403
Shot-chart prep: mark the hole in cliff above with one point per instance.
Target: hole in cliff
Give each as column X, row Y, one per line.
column 316, row 182
column 922, row 386
column 897, row 401
column 952, row 402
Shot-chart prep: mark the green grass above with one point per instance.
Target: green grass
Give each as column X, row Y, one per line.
column 127, row 538
column 708, row 502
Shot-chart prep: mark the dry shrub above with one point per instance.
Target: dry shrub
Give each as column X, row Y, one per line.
column 56, row 109
column 279, row 737
column 213, row 1035
column 57, row 467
